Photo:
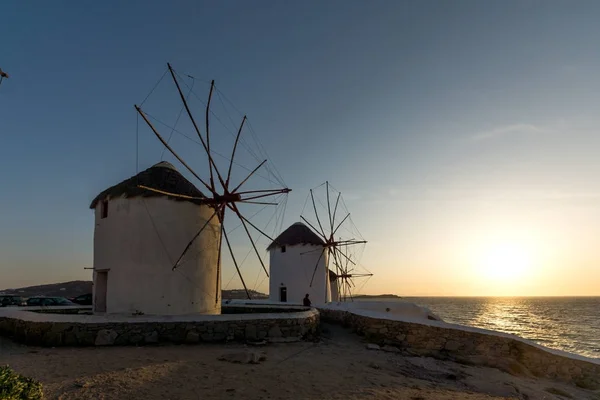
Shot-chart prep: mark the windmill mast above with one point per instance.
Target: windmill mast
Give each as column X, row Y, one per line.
column 334, row 247
column 223, row 196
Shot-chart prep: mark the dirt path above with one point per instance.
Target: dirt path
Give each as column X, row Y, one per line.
column 338, row 367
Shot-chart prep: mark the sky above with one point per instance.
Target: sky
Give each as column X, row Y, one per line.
column 463, row 135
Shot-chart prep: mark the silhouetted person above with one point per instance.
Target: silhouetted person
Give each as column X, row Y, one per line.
column 306, row 301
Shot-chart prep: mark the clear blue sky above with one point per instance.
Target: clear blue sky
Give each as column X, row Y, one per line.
column 450, row 126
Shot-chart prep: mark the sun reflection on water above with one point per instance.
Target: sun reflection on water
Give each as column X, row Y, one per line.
column 569, row 324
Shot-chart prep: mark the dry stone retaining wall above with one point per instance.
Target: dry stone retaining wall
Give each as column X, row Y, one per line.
column 290, row 327
column 506, row 353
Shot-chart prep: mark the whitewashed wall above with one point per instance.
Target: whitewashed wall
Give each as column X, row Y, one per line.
column 294, row 270
column 139, row 242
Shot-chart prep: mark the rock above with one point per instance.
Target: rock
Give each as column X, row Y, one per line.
column 151, row 337
column 390, row 349
column 452, row 377
column 82, row 384
column 85, row 337
column 257, row 343
column 52, row 339
column 71, row 339
column 274, row 332
column 192, row 337
column 452, row 345
column 135, row 339
column 372, row 346
column 411, row 338
column 374, row 366
column 244, row 357
column 105, row 337
column 251, row 332
column 290, row 339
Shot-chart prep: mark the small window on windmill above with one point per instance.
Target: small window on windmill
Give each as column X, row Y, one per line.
column 104, row 209
column 283, row 249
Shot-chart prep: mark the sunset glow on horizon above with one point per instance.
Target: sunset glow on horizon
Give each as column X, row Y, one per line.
column 463, row 136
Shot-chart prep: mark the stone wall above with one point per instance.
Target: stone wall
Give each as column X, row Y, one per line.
column 436, row 340
column 259, row 309
column 55, row 330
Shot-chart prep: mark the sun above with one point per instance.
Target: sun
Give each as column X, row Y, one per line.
column 505, row 261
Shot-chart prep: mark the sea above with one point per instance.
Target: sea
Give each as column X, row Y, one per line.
column 570, row 324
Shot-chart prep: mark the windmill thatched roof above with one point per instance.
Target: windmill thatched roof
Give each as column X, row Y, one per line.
column 162, row 176
column 297, row 233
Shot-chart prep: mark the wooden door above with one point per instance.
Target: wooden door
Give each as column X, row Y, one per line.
column 100, row 291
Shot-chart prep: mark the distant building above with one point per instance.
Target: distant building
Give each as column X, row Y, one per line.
column 294, row 256
column 139, row 235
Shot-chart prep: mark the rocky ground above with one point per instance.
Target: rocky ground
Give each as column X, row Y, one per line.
column 340, row 366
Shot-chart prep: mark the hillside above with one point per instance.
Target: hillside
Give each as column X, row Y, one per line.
column 75, row 288
column 241, row 294
column 65, row 289
column 376, row 296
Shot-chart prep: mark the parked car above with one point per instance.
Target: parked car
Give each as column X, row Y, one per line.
column 84, row 299
column 7, row 300
column 48, row 301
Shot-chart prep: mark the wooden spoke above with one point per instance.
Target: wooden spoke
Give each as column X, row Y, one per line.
column 235, row 210
column 248, row 177
column 259, row 202
column 317, row 267
column 359, row 275
column 339, row 271
column 211, row 162
column 350, row 243
column 260, row 196
column 349, row 290
column 221, row 218
column 217, row 210
column 342, row 254
column 181, row 196
column 338, row 227
column 315, row 229
column 337, row 260
column 237, row 139
column 335, row 209
column 329, row 207
column 241, row 217
column 139, row 110
column 275, row 191
column 212, row 86
column 237, row 268
column 316, row 213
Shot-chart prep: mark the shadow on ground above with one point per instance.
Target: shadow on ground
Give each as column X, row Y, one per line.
column 337, row 367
